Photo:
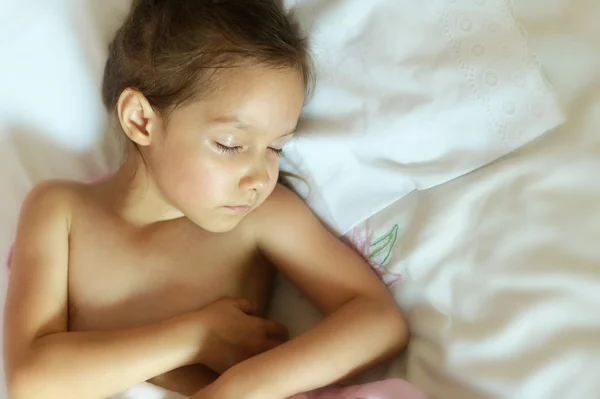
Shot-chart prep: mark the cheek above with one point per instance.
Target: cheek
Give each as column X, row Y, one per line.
column 205, row 177
column 273, row 171
column 189, row 175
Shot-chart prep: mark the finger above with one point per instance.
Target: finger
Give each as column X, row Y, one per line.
column 275, row 330
column 246, row 305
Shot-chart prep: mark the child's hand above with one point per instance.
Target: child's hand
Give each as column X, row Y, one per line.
column 233, row 334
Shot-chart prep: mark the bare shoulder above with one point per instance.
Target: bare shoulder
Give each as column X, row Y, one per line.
column 52, row 198
column 282, row 207
column 282, row 217
column 55, row 189
column 293, row 239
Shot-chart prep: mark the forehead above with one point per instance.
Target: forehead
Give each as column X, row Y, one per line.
column 265, row 99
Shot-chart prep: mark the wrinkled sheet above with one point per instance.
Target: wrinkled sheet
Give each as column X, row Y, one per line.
column 499, row 269
column 411, row 95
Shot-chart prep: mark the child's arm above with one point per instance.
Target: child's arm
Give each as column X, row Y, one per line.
column 363, row 324
column 43, row 360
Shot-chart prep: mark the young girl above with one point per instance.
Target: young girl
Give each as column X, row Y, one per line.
column 161, row 272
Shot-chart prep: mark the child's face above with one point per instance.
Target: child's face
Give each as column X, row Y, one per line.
column 217, row 159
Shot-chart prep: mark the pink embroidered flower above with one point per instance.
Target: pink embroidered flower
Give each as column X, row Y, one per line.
column 377, row 252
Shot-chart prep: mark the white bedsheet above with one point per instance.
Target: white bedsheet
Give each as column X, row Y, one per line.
column 499, row 268
column 502, row 266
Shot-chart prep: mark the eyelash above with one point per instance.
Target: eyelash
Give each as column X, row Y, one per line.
column 233, row 150
column 227, row 150
column 279, row 152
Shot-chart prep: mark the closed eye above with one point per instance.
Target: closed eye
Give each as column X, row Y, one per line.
column 228, row 150
column 236, row 149
column 278, row 151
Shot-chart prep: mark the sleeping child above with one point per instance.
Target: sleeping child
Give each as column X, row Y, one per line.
column 161, row 272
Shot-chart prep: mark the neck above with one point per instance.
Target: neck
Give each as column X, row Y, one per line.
column 136, row 196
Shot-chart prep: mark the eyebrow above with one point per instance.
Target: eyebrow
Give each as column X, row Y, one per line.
column 228, row 120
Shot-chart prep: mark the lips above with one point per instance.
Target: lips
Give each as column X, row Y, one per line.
column 240, row 208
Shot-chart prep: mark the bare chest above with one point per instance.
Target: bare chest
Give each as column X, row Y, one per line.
column 120, row 278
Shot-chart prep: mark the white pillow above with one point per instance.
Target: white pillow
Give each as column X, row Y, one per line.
column 411, row 95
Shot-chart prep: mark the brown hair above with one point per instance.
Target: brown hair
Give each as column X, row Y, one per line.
column 170, row 50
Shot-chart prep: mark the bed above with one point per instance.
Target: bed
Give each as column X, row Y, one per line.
column 482, row 219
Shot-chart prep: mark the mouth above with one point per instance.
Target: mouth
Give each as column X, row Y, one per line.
column 241, row 209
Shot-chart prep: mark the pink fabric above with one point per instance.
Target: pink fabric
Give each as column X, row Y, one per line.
column 387, row 389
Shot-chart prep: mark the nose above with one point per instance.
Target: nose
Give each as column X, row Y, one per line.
column 257, row 177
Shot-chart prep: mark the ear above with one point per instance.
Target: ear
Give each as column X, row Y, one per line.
column 138, row 119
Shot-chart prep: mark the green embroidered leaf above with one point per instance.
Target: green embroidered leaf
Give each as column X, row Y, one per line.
column 382, row 248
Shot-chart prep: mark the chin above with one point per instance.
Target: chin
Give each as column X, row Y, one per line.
column 217, row 224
